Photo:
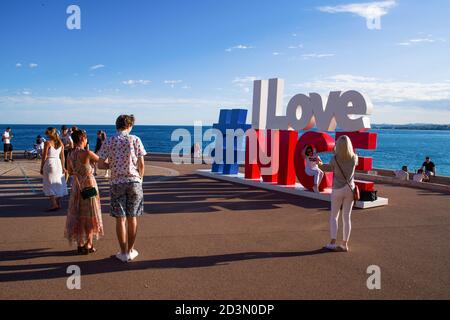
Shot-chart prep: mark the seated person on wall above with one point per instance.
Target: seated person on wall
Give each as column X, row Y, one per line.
column 402, row 174
column 430, row 167
column 420, row 176
column 312, row 163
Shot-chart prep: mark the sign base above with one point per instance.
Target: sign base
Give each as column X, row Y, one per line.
column 298, row 189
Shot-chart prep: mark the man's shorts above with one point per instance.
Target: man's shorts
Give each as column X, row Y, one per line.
column 127, row 200
column 7, row 147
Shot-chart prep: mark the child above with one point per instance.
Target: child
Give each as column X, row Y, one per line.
column 312, row 166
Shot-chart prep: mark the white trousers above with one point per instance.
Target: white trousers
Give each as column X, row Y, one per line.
column 342, row 197
column 316, row 173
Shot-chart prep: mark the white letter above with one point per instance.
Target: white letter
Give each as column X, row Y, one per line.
column 259, row 111
column 352, row 112
column 74, row 281
column 325, row 119
column 374, row 281
column 74, row 20
column 300, row 112
column 276, row 119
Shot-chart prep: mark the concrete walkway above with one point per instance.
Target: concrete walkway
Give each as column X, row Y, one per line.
column 205, row 239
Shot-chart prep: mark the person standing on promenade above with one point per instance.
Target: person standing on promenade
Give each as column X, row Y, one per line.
column 101, row 138
column 67, row 143
column 125, row 155
column 7, row 146
column 52, row 169
column 343, row 164
column 84, row 216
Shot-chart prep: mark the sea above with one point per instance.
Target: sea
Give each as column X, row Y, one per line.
column 396, row 147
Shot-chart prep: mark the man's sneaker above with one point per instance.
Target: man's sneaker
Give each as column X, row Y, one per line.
column 132, row 255
column 122, row 256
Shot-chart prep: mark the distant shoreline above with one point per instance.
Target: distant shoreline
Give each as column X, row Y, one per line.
column 429, row 127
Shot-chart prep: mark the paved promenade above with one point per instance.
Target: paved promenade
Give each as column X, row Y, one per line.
column 205, row 239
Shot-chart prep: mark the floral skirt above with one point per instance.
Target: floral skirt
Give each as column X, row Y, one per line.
column 84, row 216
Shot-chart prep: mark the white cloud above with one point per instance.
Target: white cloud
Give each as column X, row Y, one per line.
column 18, row 65
column 300, row 46
column 421, row 40
column 384, row 91
column 318, row 55
column 277, row 53
column 239, row 47
column 97, row 66
column 136, row 82
column 33, row 65
column 113, row 101
column 245, row 83
column 371, row 11
column 172, row 83
column 26, row 92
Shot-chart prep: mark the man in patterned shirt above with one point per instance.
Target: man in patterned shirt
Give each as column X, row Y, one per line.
column 124, row 154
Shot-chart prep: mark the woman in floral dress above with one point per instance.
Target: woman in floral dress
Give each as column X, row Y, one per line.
column 84, row 217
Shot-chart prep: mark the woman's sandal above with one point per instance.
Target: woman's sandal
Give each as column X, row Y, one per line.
column 91, row 249
column 82, row 250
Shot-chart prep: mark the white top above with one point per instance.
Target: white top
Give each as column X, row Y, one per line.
column 402, row 175
column 418, row 177
column 312, row 162
column 54, row 153
column 6, row 137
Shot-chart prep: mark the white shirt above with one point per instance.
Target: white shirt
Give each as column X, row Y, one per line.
column 402, row 175
column 312, row 162
column 6, row 138
column 418, row 177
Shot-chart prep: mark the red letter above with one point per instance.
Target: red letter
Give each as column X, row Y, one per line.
column 322, row 142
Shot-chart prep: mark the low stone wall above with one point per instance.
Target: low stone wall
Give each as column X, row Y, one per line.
column 438, row 183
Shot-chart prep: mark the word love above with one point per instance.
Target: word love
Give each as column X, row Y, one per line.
column 349, row 110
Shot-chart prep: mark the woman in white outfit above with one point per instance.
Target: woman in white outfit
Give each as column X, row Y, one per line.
column 52, row 169
column 343, row 164
column 312, row 166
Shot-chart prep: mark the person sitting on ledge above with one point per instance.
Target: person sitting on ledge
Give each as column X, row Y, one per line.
column 420, row 176
column 402, row 174
column 312, row 166
column 430, row 167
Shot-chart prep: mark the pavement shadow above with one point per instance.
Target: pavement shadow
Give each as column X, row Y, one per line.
column 195, row 194
column 162, row 195
column 28, row 272
column 34, row 253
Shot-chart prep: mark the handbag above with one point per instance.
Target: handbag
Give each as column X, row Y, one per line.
column 356, row 194
column 87, row 193
column 369, row 196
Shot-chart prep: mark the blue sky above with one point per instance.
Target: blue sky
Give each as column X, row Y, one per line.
column 176, row 62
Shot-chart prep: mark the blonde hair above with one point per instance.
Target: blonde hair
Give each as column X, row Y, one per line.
column 344, row 148
column 52, row 133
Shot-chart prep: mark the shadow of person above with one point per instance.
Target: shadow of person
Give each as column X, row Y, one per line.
column 110, row 265
column 34, row 253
